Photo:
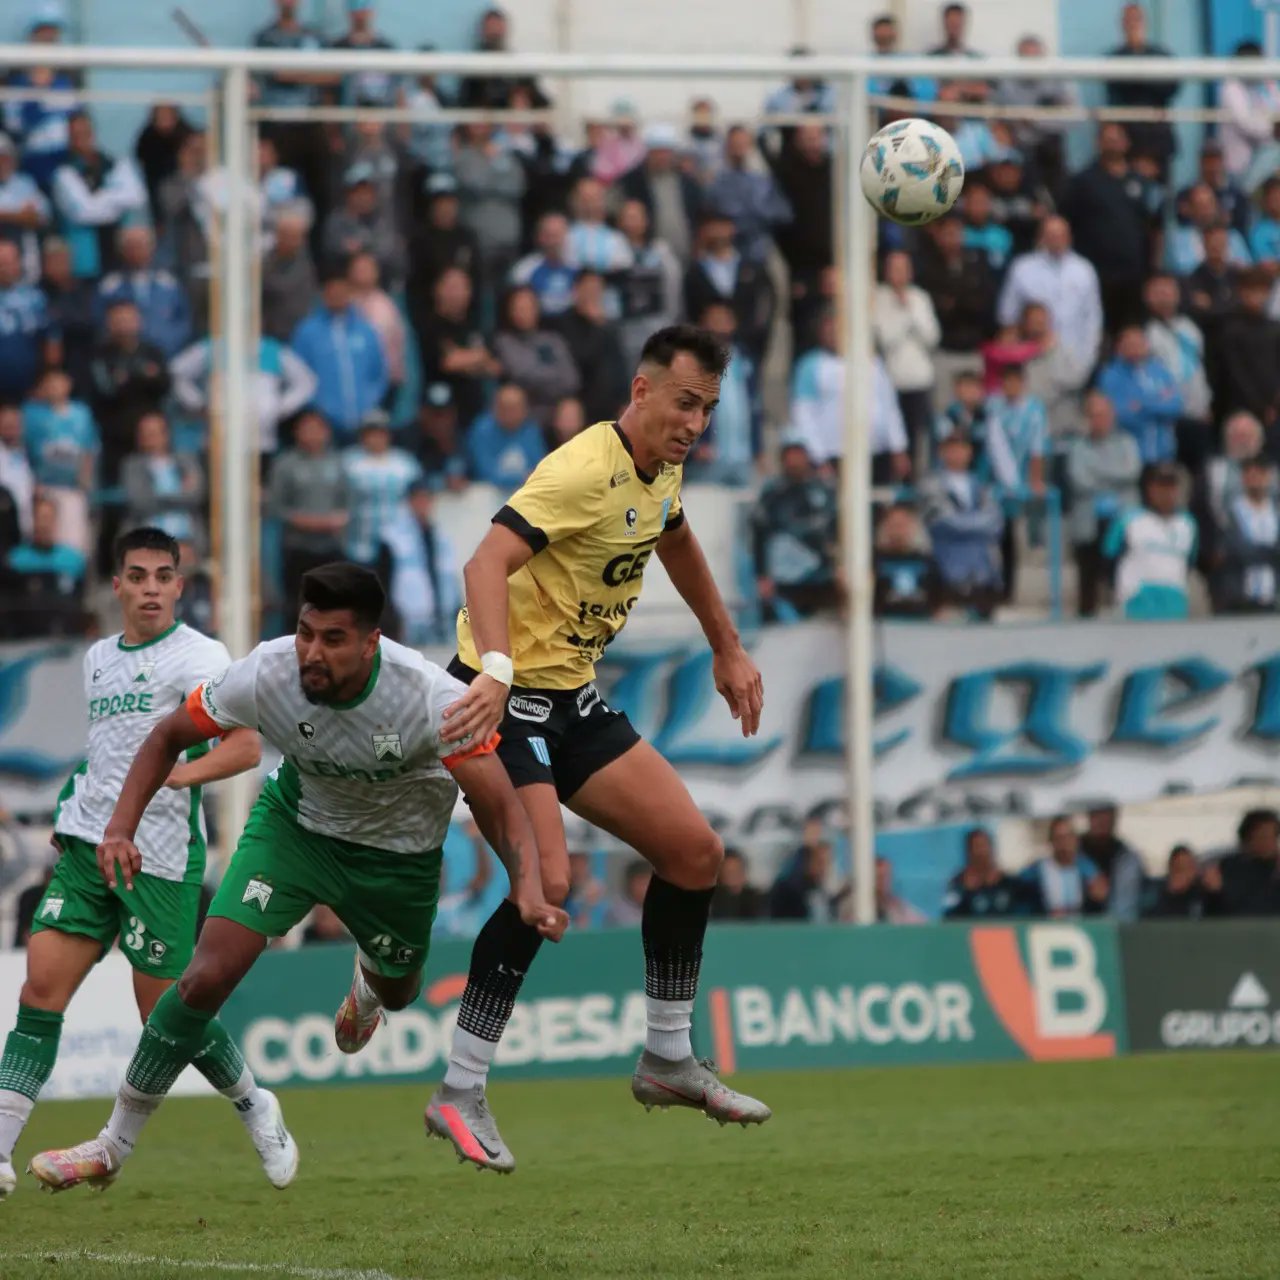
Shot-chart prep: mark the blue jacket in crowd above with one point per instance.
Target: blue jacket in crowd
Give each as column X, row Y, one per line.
column 503, row 458
column 345, row 354
column 162, row 301
column 1148, row 404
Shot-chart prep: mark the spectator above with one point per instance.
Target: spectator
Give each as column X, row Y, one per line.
column 452, row 349
column 794, row 539
column 1104, row 206
column 495, row 93
column 45, row 594
column 721, row 274
column 28, row 340
column 800, row 892
column 157, row 149
column 1044, row 141
column 548, row 271
column 93, row 194
column 704, row 145
column 1251, row 107
column 1186, row 244
column 437, row 447
column 1102, row 471
column 1065, row 284
column 506, row 443
column 1244, row 581
column 1116, row 861
column 63, row 445
column 1154, row 546
column 279, row 187
column 964, row 523
column 981, row 889
column 1017, row 435
column 368, row 88
column 161, row 488
column 907, row 584
column 361, row 225
column 749, row 196
column 384, row 317
column 804, row 94
column 1211, row 288
column 197, row 606
column 955, row 41
column 1246, row 882
column 962, row 286
column 160, row 299
column 289, row 283
column 625, row 909
column 1223, row 478
column 72, row 310
column 440, row 242
column 1018, row 202
column 370, row 145
column 343, row 351
column 1053, row 376
column 593, row 343
column 890, row 908
column 420, row 567
column 183, row 219
column 283, row 383
column 735, row 898
column 885, row 38
column 803, row 173
column 818, row 416
column 491, row 184
column 975, row 138
column 1065, row 883
column 428, row 140
column 1153, row 136
column 379, row 477
column 310, row 496
column 17, row 479
column 568, row 419
column 671, row 196
column 727, row 451
column 127, row 378
column 593, row 245
column 967, row 414
column 1177, row 343
column 1181, row 894
column 1244, row 362
column 906, row 331
column 1145, row 395
column 585, row 903
column 981, row 230
column 24, row 211
column 536, row 359
column 650, row 288
column 1264, row 237
column 1232, row 202
column 39, row 124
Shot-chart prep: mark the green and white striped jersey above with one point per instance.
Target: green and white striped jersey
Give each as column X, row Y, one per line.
column 129, row 689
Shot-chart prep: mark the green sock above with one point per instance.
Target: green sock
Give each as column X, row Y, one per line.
column 221, row 1062
column 174, row 1034
column 30, row 1051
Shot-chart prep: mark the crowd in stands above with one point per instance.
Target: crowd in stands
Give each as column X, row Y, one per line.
column 442, row 305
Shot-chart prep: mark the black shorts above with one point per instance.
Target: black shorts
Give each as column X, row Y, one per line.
column 557, row 736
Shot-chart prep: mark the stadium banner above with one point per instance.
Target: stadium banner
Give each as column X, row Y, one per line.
column 1202, row 984
column 99, row 1033
column 794, row 996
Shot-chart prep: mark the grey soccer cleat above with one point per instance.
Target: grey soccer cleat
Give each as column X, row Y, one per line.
column 658, row 1082
column 462, row 1116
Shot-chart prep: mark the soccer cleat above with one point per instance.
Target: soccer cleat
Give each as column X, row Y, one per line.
column 8, row 1180
column 350, row 1030
column 463, row 1117
column 275, row 1144
column 658, row 1082
column 93, row 1163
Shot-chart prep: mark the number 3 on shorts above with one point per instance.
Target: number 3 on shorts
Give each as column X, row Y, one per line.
column 133, row 935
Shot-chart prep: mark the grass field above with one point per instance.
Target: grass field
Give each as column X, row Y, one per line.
column 1144, row 1167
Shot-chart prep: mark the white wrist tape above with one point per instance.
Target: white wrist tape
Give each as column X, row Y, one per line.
column 498, row 666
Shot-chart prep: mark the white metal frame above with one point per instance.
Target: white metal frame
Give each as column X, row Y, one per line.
column 856, row 240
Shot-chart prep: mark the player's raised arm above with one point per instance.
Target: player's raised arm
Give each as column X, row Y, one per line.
column 737, row 677
column 505, row 825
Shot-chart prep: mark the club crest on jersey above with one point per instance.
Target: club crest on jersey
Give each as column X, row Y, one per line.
column 306, row 730
column 144, row 673
column 633, row 519
column 387, row 745
column 258, row 891
column 619, row 478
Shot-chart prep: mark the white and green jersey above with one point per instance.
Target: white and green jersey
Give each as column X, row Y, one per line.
column 371, row 771
column 129, row 689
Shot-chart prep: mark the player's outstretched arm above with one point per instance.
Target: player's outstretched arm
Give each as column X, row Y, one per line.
column 738, row 679
column 151, row 766
column 505, row 825
column 238, row 751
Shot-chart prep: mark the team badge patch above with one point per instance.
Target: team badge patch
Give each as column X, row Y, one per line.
column 144, row 673
column 258, row 891
column 306, row 729
column 632, row 518
column 386, row 746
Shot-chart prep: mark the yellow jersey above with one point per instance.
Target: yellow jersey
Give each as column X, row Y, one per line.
column 593, row 519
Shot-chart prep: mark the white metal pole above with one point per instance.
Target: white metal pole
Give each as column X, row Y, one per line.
column 1271, row 31
column 238, row 452
column 857, row 239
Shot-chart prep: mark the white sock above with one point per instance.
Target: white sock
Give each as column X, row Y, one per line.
column 368, row 1001
column 247, row 1099
column 667, row 1025
column 15, row 1111
column 469, row 1060
column 132, row 1110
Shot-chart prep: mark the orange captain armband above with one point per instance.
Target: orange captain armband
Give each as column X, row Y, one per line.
column 204, row 721
column 482, row 749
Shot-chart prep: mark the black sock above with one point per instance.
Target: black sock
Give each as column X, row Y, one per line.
column 503, row 951
column 673, row 926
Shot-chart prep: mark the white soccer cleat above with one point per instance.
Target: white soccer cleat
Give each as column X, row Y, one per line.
column 93, row 1163
column 8, row 1180
column 276, row 1147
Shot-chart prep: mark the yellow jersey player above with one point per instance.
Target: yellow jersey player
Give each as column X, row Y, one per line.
column 551, row 584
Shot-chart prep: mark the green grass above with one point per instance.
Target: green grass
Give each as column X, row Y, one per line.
column 1163, row 1167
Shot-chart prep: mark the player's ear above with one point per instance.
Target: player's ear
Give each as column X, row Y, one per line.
column 180, row 581
column 639, row 388
column 371, row 642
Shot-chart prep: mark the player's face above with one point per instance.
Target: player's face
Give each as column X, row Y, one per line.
column 148, row 586
column 334, row 654
column 676, row 405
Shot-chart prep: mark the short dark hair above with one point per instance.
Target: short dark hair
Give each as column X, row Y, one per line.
column 1254, row 819
column 971, row 835
column 883, row 20
column 955, row 8
column 1058, row 819
column 662, row 347
column 146, row 538
column 344, row 585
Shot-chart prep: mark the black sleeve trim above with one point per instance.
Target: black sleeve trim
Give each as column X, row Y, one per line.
column 674, row 522
column 511, row 519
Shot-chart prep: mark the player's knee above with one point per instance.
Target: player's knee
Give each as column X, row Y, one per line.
column 706, row 853
column 206, row 983
column 42, row 991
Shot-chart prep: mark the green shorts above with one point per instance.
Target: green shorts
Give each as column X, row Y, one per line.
column 155, row 920
column 279, row 871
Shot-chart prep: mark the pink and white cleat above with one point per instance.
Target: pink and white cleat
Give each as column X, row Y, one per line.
column 350, row 1030
column 93, row 1163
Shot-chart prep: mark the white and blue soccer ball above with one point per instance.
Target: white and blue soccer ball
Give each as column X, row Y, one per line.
column 912, row 171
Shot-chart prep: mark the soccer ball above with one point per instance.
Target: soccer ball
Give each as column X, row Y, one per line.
column 912, row 172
